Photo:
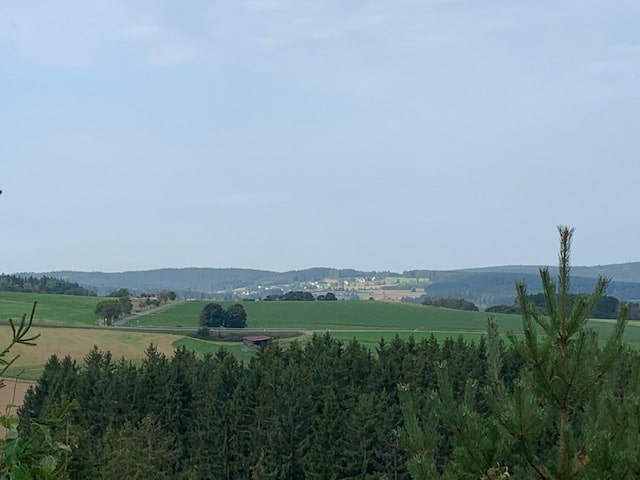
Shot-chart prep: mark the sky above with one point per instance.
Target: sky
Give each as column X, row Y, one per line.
column 286, row 134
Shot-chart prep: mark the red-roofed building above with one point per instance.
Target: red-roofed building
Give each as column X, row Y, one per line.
column 253, row 341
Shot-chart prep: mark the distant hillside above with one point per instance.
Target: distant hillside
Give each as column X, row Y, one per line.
column 495, row 285
column 620, row 272
column 199, row 282
column 42, row 284
column 482, row 286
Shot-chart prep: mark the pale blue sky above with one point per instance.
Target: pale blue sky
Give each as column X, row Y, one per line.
column 285, row 134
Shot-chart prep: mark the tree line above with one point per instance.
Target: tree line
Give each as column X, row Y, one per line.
column 44, row 284
column 300, row 296
column 454, row 303
column 607, row 306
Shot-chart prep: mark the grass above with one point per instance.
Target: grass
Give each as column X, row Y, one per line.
column 61, row 309
column 203, row 347
column 341, row 315
column 76, row 342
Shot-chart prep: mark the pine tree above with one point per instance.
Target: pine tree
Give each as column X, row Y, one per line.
column 567, row 416
column 138, row 451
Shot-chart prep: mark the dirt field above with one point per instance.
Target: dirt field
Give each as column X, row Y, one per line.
column 13, row 392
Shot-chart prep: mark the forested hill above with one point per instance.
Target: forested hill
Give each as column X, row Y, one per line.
column 41, row 284
column 492, row 286
column 197, row 281
column 482, row 286
column 622, row 272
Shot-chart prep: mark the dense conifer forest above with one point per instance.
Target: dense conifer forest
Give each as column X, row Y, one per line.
column 320, row 410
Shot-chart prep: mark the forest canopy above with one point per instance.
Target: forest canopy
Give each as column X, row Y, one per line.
column 43, row 284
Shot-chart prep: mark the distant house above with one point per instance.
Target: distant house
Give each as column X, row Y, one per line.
column 253, row 341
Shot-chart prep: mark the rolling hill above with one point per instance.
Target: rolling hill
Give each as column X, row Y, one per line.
column 482, row 286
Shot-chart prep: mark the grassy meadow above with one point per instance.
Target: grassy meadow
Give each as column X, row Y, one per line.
column 341, row 315
column 54, row 309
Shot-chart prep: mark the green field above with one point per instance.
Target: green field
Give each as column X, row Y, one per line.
column 202, row 347
column 364, row 315
column 322, row 316
column 63, row 309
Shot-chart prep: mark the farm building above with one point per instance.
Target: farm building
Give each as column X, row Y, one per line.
column 253, row 341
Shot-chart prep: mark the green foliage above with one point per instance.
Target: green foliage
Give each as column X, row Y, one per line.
column 140, row 450
column 110, row 310
column 297, row 296
column 213, row 315
column 329, row 297
column 36, row 457
column 44, row 284
column 606, row 306
column 121, row 292
column 325, row 409
column 166, row 296
column 236, row 317
column 508, row 309
column 453, row 303
column 125, row 305
column 567, row 415
column 19, row 337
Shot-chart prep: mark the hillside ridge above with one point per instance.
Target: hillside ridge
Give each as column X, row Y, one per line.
column 483, row 286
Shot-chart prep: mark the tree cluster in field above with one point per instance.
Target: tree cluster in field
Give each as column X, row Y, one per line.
column 113, row 308
column 214, row 315
column 300, row 296
column 119, row 293
column 453, row 303
column 323, row 409
column 166, row 295
column 44, row 284
column 158, row 298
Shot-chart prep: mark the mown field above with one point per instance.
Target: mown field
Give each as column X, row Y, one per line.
column 363, row 315
column 62, row 309
column 77, row 342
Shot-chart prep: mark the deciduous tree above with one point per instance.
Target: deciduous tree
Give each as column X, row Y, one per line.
column 236, row 317
column 212, row 315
